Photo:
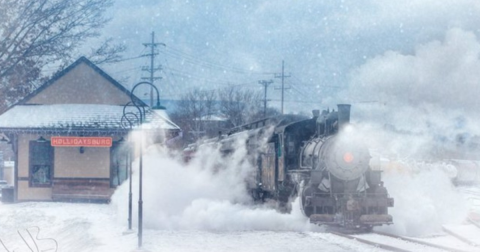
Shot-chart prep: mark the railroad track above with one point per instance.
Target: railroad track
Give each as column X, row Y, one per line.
column 470, row 192
column 428, row 244
column 475, row 223
column 407, row 244
column 471, row 196
column 375, row 244
column 473, row 228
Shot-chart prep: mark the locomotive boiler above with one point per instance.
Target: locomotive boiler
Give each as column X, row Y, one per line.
column 322, row 161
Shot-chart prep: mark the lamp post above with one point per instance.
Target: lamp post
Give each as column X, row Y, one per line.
column 132, row 119
column 129, row 119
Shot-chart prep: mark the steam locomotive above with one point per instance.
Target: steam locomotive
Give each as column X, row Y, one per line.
column 321, row 160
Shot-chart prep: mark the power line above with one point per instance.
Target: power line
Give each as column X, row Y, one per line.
column 173, row 81
column 131, row 58
column 309, row 94
column 127, row 70
column 197, row 61
column 188, row 75
column 296, row 101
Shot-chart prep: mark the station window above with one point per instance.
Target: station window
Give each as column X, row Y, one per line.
column 120, row 160
column 41, row 164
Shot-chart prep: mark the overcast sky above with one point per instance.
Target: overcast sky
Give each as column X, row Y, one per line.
column 414, row 53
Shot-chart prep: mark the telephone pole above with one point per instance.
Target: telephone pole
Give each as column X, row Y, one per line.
column 265, row 84
column 152, row 68
column 282, row 76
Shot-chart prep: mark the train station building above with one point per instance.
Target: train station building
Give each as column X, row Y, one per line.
column 68, row 137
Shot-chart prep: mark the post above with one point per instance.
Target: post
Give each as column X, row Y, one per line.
column 138, row 119
column 282, row 76
column 140, row 199
column 265, row 85
column 151, row 68
column 283, row 82
column 130, row 199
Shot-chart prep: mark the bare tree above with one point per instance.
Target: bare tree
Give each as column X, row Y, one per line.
column 209, row 100
column 193, row 108
column 107, row 52
column 271, row 112
column 198, row 109
column 240, row 105
column 34, row 34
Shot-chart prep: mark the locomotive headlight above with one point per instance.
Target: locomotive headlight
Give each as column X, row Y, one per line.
column 345, row 158
column 348, row 157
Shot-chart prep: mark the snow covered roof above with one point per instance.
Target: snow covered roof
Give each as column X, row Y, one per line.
column 213, row 117
column 78, row 117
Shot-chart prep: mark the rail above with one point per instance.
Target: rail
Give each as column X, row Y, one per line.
column 459, row 237
column 375, row 244
column 395, row 248
column 420, row 242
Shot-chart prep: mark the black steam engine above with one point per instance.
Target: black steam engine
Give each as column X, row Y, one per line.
column 322, row 161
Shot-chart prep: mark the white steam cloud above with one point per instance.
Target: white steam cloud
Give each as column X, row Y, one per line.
column 427, row 97
column 208, row 193
column 440, row 73
column 419, row 110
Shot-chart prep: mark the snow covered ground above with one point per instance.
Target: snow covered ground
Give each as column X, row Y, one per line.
column 97, row 227
column 200, row 207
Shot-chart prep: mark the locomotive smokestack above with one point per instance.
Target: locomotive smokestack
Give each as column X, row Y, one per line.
column 343, row 114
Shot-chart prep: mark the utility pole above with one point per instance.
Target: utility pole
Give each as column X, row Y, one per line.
column 152, row 68
column 282, row 76
column 265, row 84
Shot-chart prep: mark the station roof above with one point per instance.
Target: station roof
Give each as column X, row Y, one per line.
column 82, row 99
column 81, row 117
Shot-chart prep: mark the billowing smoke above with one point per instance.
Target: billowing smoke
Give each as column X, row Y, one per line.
column 439, row 74
column 420, row 110
column 208, row 193
column 431, row 91
column 422, row 105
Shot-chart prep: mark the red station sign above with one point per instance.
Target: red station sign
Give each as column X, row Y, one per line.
column 60, row 141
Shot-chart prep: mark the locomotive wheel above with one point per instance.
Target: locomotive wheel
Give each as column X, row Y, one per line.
column 284, row 204
column 285, row 195
column 284, row 207
column 305, row 206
